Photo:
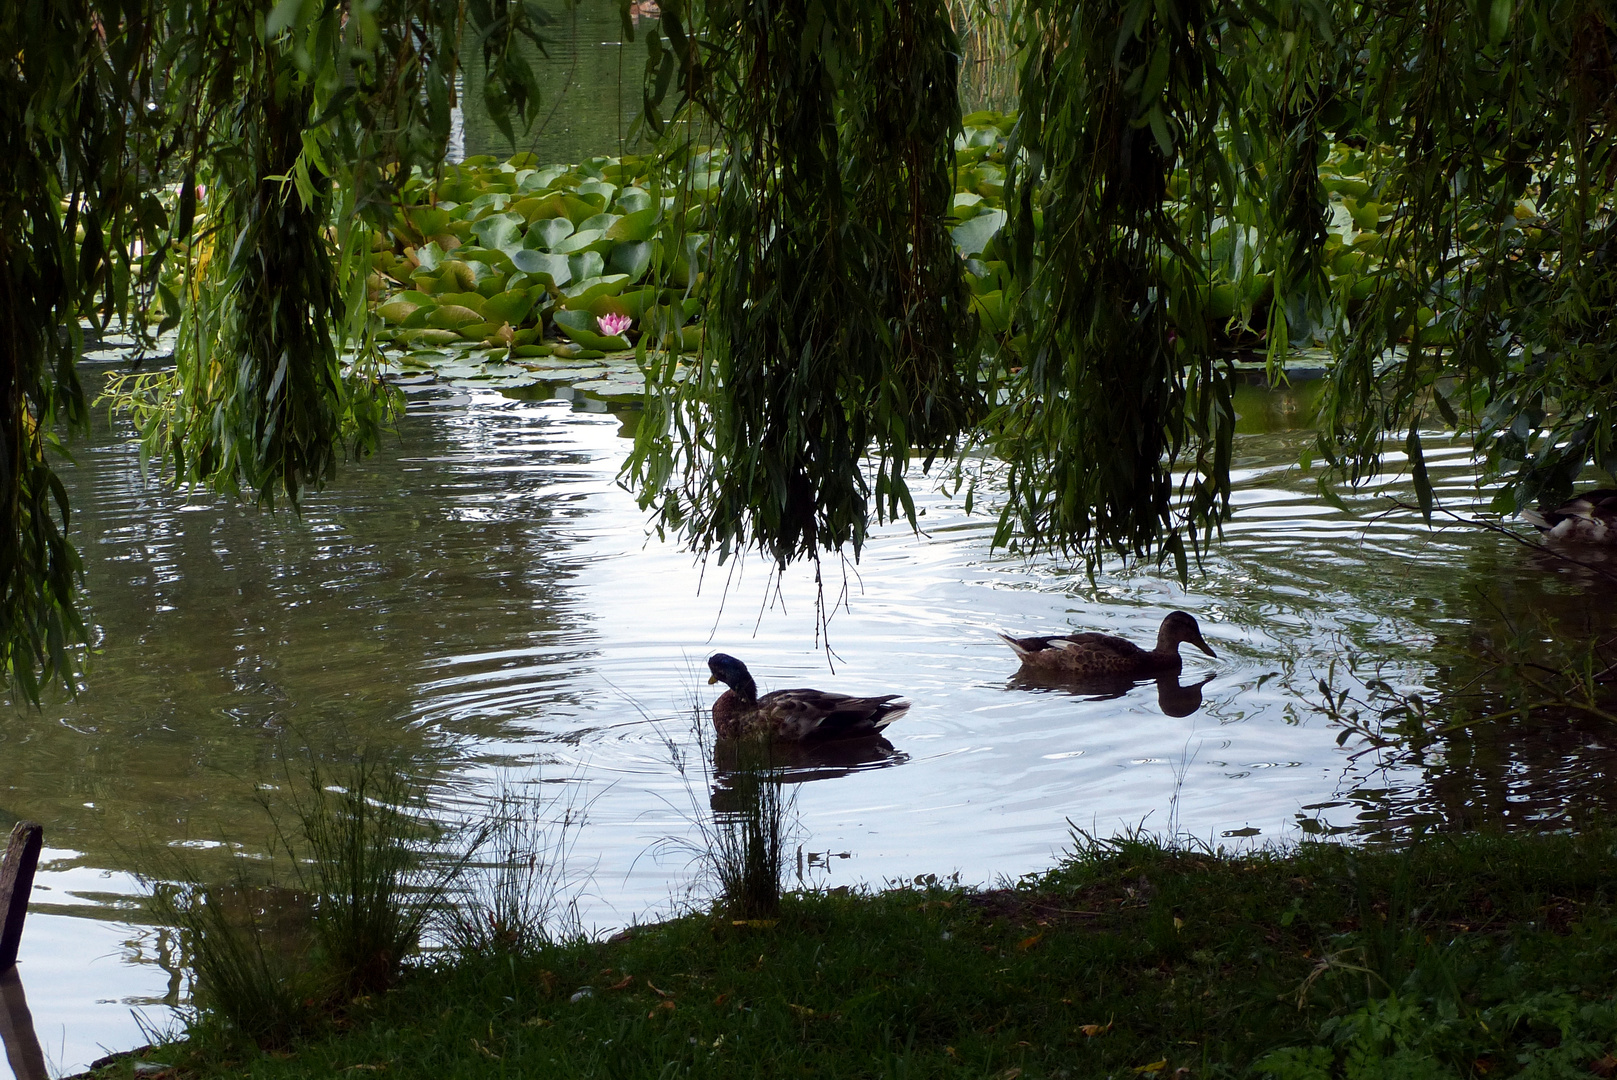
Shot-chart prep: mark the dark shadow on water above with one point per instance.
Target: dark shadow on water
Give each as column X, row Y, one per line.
column 1173, row 697
column 796, row 763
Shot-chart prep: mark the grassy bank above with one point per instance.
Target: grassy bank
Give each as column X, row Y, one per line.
column 1471, row 956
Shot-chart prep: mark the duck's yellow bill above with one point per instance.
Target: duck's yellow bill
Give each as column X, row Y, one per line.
column 711, row 679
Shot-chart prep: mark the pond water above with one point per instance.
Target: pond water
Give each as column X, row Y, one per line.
column 480, row 599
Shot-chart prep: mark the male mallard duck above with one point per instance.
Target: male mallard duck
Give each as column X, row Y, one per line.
column 1590, row 518
column 1090, row 656
column 793, row 715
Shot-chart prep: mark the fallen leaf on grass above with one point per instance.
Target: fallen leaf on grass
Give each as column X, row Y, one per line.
column 538, row 1021
column 1154, row 1067
column 480, row 1048
column 621, row 983
column 1092, row 1030
column 659, row 993
column 800, row 1010
column 1027, row 943
column 1009, row 1074
column 661, row 1005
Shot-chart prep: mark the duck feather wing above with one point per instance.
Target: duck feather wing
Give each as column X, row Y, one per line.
column 804, row 713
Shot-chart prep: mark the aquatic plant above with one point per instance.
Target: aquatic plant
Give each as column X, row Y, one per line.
column 333, row 914
column 613, row 324
column 516, row 893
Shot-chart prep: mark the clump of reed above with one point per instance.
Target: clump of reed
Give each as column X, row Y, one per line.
column 518, row 893
column 746, row 838
column 334, row 913
column 747, row 826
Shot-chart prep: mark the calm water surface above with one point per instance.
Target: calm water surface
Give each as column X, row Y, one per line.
column 481, row 599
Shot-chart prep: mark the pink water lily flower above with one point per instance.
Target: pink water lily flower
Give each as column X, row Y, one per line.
column 614, row 325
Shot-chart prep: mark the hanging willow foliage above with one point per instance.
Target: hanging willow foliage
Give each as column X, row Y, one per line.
column 293, row 109
column 1162, row 146
column 836, row 310
column 1494, row 126
column 300, row 119
column 71, row 133
column 1119, row 374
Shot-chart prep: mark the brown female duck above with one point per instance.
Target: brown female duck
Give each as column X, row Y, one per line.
column 1590, row 518
column 793, row 715
column 1095, row 656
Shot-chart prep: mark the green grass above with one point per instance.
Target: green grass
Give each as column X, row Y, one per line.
column 1469, row 956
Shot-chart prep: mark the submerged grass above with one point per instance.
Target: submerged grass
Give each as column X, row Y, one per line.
column 1462, row 956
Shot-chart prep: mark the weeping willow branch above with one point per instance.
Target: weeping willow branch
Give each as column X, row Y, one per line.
column 837, row 315
column 302, row 121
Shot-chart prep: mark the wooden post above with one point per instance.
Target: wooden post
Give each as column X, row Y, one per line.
column 16, row 882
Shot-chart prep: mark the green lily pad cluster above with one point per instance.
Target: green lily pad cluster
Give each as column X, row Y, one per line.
column 1362, row 186
column 525, row 262
column 496, row 264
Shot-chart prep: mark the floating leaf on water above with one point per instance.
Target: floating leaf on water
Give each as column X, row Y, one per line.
column 531, row 350
column 545, row 176
column 600, row 189
column 586, row 264
column 632, row 259
column 501, row 232
column 582, row 294
column 612, row 387
column 475, row 301
column 428, row 220
column 435, row 336
column 396, row 310
column 578, row 241
column 430, row 256
column 640, row 225
column 994, row 312
column 511, row 307
column 580, row 209
column 632, row 200
column 973, row 236
column 602, row 221
column 453, row 317
column 965, row 204
column 556, row 269
column 549, row 232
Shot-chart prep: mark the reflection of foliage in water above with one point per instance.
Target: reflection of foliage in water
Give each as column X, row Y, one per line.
column 1507, row 710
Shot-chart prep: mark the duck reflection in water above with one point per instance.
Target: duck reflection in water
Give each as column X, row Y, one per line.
column 737, row 764
column 1173, row 697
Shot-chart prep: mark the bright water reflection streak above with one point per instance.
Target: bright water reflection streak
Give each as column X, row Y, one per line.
column 481, row 598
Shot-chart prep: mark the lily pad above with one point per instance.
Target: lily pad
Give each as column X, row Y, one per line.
column 428, row 220
column 635, row 227
column 972, row 237
column 632, row 259
column 583, row 329
column 602, row 221
column 501, row 232
column 511, row 307
column 452, row 317
column 557, row 268
column 586, row 264
column 396, row 310
column 632, row 200
column 578, row 241
column 549, row 232
column 581, row 293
